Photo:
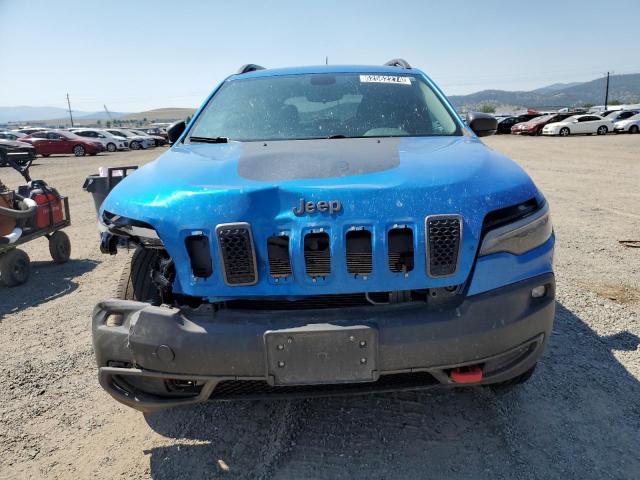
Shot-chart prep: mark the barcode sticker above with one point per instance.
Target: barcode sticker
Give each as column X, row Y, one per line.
column 399, row 80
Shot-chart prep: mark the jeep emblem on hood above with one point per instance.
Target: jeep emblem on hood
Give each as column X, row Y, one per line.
column 331, row 206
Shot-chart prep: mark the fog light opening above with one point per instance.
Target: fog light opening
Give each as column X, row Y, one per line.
column 539, row 291
column 114, row 320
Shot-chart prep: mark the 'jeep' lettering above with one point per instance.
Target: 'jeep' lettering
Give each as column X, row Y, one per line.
column 331, row 206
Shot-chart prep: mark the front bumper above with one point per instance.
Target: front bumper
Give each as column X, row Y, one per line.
column 157, row 357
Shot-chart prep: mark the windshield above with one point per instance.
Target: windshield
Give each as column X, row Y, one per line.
column 69, row 135
column 310, row 106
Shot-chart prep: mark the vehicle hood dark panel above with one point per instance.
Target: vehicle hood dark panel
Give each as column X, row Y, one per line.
column 300, row 159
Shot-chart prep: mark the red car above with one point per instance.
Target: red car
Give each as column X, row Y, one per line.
column 535, row 125
column 51, row 142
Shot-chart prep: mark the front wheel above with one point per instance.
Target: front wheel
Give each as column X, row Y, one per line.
column 564, row 132
column 634, row 129
column 78, row 151
column 602, row 130
column 111, row 147
column 136, row 282
column 134, row 145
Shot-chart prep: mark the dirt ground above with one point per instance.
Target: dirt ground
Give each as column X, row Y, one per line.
column 578, row 417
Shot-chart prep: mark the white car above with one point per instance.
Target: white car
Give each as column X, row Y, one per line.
column 579, row 124
column 111, row 142
column 631, row 125
column 136, row 141
column 11, row 135
column 619, row 115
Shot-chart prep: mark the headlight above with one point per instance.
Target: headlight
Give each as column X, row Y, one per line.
column 135, row 230
column 520, row 236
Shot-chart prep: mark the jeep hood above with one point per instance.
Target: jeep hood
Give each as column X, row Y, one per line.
column 380, row 182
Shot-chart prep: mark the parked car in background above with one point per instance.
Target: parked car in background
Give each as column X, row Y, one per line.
column 535, row 125
column 579, row 124
column 630, row 125
column 10, row 135
column 136, row 141
column 30, row 130
column 54, row 142
column 21, row 152
column 158, row 140
column 111, row 142
column 619, row 115
column 157, row 131
column 504, row 125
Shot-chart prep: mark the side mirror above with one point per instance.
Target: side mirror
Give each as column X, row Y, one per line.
column 482, row 124
column 175, row 130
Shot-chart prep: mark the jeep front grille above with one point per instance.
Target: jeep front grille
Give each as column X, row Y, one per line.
column 359, row 253
column 443, row 244
column 317, row 254
column 400, row 241
column 278, row 253
column 237, row 253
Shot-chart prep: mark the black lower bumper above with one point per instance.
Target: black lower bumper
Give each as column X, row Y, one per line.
column 157, row 357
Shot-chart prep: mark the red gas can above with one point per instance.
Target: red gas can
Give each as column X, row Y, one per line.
column 49, row 211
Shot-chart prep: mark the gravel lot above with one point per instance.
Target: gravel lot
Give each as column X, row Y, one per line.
column 579, row 417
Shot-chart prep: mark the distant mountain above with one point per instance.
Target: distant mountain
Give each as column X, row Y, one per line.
column 624, row 88
column 26, row 114
column 555, row 87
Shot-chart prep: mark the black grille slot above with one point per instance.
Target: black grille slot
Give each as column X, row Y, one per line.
column 237, row 254
column 359, row 256
column 400, row 249
column 278, row 252
column 260, row 388
column 443, row 244
column 311, row 303
column 200, row 255
column 317, row 255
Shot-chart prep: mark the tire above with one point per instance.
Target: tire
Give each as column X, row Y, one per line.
column 135, row 282
column 602, row 130
column 508, row 385
column 111, row 147
column 59, row 247
column 634, row 129
column 79, row 151
column 15, row 268
column 135, row 145
column 564, row 132
column 3, row 161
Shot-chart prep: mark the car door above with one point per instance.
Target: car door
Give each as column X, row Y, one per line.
column 582, row 126
column 56, row 142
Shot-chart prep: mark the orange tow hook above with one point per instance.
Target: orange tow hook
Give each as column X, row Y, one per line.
column 468, row 374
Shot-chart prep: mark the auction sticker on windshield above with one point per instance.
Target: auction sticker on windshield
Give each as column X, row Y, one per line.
column 385, row 79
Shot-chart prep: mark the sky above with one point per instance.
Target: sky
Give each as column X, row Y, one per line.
column 145, row 54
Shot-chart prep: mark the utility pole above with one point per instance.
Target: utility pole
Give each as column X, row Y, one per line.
column 108, row 112
column 70, row 114
column 326, row 60
column 606, row 95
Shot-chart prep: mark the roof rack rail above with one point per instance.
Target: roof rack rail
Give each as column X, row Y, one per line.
column 249, row 67
column 398, row 62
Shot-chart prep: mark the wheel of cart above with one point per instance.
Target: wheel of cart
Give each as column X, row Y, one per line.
column 15, row 267
column 59, row 246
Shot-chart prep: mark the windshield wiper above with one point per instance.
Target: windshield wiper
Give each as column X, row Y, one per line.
column 339, row 135
column 209, row 139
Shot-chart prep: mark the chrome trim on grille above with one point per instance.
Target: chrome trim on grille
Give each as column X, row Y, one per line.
column 247, row 227
column 427, row 243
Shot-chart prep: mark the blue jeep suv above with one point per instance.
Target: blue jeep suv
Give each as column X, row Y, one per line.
column 321, row 231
